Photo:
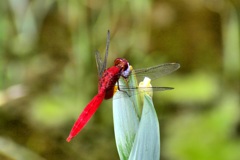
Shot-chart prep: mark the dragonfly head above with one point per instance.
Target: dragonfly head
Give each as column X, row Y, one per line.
column 124, row 65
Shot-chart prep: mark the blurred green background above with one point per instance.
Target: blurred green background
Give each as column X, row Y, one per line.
column 48, row 74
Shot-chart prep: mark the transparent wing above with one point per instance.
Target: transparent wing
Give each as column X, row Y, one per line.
column 155, row 72
column 135, row 90
column 101, row 65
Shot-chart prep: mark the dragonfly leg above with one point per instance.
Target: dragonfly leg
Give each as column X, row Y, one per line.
column 122, row 90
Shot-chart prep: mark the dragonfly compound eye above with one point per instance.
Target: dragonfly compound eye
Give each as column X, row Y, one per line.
column 122, row 63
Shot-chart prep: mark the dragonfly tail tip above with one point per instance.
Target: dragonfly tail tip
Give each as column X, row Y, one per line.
column 69, row 138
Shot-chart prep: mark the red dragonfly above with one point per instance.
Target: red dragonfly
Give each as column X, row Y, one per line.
column 107, row 84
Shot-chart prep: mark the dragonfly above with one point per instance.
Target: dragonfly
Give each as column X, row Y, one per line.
column 108, row 78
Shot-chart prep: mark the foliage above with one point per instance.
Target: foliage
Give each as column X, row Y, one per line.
column 48, row 74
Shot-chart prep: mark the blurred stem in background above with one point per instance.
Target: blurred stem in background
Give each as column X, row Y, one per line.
column 48, row 73
column 231, row 43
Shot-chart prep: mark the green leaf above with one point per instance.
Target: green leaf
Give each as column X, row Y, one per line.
column 147, row 140
column 136, row 138
column 126, row 123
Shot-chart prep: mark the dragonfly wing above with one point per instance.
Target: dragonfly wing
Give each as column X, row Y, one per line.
column 106, row 52
column 101, row 65
column 145, row 88
column 156, row 72
column 129, row 92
